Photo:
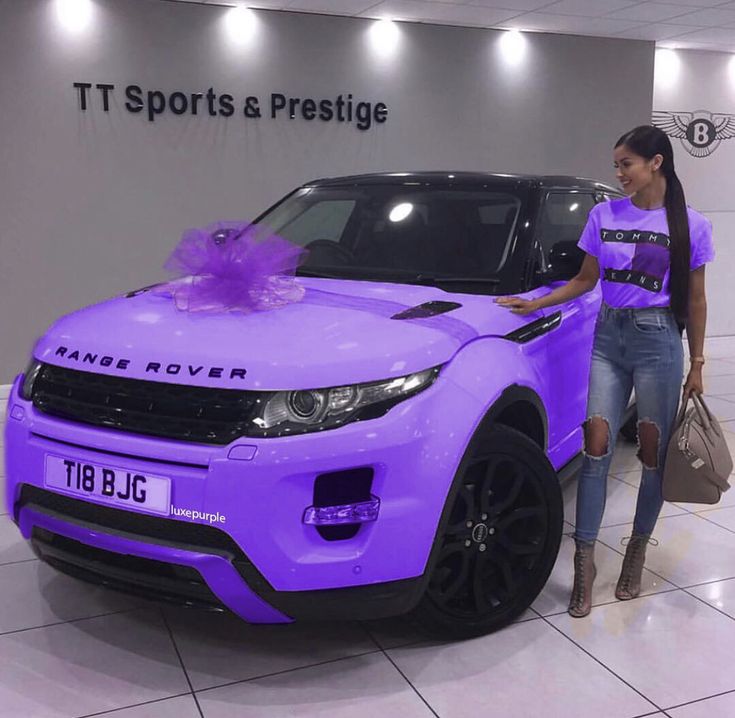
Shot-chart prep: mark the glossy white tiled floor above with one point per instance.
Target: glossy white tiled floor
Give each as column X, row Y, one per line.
column 69, row 649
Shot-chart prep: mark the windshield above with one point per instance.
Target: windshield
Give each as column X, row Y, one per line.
column 400, row 232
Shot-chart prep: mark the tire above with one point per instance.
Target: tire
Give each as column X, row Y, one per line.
column 486, row 573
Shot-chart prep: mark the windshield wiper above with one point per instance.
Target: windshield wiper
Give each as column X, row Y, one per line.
column 306, row 272
column 439, row 281
column 375, row 274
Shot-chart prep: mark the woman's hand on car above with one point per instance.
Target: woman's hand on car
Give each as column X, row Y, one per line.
column 518, row 305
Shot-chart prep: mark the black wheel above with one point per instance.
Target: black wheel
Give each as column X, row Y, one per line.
column 498, row 541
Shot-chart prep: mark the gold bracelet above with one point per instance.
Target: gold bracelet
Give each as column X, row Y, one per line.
column 696, row 360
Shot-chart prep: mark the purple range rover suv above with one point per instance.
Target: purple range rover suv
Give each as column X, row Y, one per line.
column 393, row 443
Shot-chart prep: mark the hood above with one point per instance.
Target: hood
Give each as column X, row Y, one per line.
column 340, row 333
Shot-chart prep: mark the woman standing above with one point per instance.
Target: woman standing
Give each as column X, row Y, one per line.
column 649, row 250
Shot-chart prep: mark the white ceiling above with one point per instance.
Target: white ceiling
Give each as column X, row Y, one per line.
column 687, row 24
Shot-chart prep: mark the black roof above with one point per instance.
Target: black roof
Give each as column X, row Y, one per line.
column 462, row 178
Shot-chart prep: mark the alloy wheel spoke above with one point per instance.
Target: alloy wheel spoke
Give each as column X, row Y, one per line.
column 490, row 471
column 526, row 512
column 478, row 591
column 459, row 528
column 521, row 549
column 513, row 492
column 460, row 581
column 486, row 488
column 449, row 549
column 503, row 564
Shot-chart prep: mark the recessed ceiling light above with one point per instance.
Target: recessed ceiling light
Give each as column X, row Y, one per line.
column 241, row 23
column 384, row 36
column 513, row 46
column 666, row 67
column 74, row 15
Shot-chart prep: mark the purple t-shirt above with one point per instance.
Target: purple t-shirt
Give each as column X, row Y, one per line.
column 632, row 248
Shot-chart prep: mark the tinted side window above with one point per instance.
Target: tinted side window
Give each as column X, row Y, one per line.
column 563, row 217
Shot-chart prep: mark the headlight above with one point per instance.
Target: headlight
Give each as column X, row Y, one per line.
column 296, row 412
column 31, row 372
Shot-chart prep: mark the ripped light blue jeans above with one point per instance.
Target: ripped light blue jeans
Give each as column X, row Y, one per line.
column 641, row 349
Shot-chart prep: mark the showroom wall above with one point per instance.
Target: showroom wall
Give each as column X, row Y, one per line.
column 691, row 86
column 92, row 201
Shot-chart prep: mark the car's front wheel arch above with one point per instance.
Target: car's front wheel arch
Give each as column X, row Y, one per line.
column 520, row 408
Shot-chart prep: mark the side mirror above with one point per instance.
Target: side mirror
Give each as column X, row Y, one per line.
column 565, row 261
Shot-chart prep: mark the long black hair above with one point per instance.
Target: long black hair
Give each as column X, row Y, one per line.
column 647, row 142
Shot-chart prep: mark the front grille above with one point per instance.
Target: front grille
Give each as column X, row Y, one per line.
column 131, row 574
column 175, row 411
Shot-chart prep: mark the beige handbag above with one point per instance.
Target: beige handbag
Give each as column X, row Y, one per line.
column 698, row 461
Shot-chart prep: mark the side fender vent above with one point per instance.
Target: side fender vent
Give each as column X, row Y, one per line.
column 534, row 329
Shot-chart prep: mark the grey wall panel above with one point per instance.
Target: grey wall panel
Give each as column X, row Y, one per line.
column 91, row 203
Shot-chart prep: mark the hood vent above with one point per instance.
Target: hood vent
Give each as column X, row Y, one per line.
column 142, row 290
column 427, row 309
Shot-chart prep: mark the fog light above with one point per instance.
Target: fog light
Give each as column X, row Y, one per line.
column 344, row 514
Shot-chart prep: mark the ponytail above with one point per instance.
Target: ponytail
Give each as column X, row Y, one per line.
column 680, row 248
column 648, row 141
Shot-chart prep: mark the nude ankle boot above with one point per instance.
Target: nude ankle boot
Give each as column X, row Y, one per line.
column 629, row 583
column 580, row 602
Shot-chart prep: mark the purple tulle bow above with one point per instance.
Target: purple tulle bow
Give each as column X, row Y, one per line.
column 230, row 266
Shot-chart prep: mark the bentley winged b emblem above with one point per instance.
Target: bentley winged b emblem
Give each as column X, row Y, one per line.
column 700, row 132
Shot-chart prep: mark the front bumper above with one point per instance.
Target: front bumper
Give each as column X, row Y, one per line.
column 275, row 568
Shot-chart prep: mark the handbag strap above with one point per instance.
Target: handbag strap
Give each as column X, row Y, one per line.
column 682, row 411
column 702, row 411
column 711, row 423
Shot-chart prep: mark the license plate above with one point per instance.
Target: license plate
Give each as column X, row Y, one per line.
column 109, row 484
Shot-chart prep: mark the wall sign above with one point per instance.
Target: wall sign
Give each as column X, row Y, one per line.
column 700, row 132
column 154, row 103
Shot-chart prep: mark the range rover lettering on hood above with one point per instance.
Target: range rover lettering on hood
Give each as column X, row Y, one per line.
column 149, row 367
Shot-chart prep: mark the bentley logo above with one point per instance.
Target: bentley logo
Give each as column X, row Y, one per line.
column 700, row 132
